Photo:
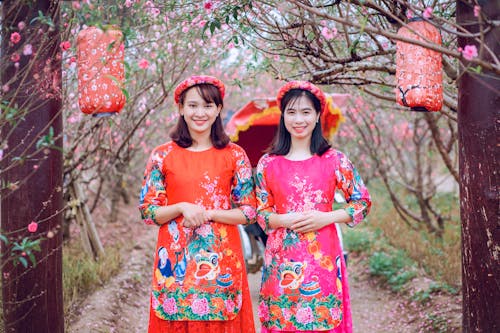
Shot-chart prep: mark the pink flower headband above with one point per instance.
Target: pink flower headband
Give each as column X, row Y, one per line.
column 195, row 80
column 304, row 85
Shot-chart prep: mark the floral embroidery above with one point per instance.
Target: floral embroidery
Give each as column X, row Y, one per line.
column 198, row 273
column 303, row 281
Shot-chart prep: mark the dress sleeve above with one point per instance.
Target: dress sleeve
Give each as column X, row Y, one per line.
column 358, row 201
column 242, row 191
column 265, row 200
column 153, row 194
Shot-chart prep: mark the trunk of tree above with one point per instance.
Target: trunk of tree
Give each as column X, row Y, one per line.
column 32, row 296
column 478, row 103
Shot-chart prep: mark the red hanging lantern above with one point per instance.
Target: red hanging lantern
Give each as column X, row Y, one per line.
column 418, row 69
column 101, row 71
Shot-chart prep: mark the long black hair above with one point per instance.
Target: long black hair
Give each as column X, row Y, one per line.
column 180, row 133
column 282, row 140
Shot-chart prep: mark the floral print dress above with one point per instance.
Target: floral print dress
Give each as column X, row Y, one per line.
column 199, row 278
column 304, row 282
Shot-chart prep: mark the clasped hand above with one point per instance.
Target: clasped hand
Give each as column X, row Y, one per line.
column 306, row 221
column 194, row 215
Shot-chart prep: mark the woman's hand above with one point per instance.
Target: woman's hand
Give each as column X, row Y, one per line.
column 194, row 215
column 310, row 221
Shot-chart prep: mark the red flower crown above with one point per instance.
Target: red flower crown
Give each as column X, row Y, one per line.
column 304, row 85
column 195, row 80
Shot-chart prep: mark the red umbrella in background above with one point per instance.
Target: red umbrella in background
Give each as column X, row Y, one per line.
column 254, row 125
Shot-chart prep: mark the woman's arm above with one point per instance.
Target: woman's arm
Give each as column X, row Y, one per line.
column 228, row 216
column 266, row 216
column 358, row 201
column 193, row 215
column 242, row 193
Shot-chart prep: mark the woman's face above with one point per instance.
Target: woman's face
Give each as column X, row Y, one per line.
column 198, row 114
column 300, row 117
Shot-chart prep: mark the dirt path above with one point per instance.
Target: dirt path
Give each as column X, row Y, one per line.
column 122, row 304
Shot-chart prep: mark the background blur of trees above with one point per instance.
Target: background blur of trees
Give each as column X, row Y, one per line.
column 252, row 46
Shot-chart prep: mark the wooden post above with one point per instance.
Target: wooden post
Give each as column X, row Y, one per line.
column 88, row 222
column 31, row 166
column 478, row 124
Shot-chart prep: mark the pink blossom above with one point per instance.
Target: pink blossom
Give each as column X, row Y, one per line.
column 304, row 315
column 155, row 11
column 5, row 88
column 28, row 50
column 21, row 25
column 208, row 5
column 129, row 3
column 143, row 63
column 185, row 29
column 335, row 312
column 15, row 57
column 427, row 12
column 286, row 313
column 33, row 226
column 263, row 311
column 229, row 305
column 75, row 5
column 204, row 230
column 477, row 10
column 15, row 37
column 202, row 23
column 239, row 301
column 65, row 45
column 154, row 302
column 329, row 33
column 200, row 306
column 409, row 14
column 469, row 52
column 169, row 306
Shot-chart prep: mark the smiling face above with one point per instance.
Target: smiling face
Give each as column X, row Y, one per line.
column 300, row 117
column 198, row 113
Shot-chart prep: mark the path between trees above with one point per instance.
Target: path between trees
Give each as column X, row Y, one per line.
column 122, row 304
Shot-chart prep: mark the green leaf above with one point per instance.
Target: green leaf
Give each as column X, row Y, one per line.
column 125, row 93
column 32, row 258
column 46, row 140
column 478, row 69
column 4, row 239
column 23, row 261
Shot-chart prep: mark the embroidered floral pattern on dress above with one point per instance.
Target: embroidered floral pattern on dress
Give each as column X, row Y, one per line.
column 198, row 273
column 304, row 282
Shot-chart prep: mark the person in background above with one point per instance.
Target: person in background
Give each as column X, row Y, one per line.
column 197, row 188
column 304, row 281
